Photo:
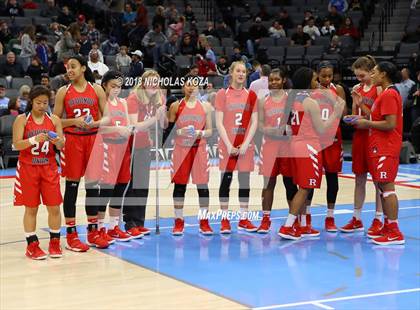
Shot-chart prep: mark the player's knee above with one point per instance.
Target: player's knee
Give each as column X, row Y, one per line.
column 203, row 192
column 387, row 194
column 225, row 187
column 310, row 194
column 179, row 191
column 291, row 188
column 244, row 195
column 54, row 211
column 270, row 183
column 243, row 178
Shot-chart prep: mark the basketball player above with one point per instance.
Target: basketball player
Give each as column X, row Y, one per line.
column 37, row 172
column 385, row 140
column 364, row 94
column 306, row 125
column 236, row 122
column 191, row 120
column 115, row 134
column 274, row 157
column 80, row 105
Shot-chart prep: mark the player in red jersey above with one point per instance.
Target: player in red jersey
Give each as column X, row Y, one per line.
column 331, row 141
column 274, row 157
column 236, row 122
column 115, row 133
column 146, row 105
column 191, row 120
column 307, row 125
column 35, row 134
column 80, row 105
column 385, row 140
column 364, row 94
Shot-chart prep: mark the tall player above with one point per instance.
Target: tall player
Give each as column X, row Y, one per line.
column 80, row 105
column 385, row 140
column 191, row 120
column 236, row 122
column 115, row 133
column 37, row 172
column 274, row 158
column 331, row 140
column 307, row 125
column 364, row 94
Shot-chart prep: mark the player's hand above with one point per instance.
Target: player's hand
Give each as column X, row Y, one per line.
column 55, row 140
column 243, row 148
column 80, row 122
column 357, row 98
column 233, row 151
column 417, row 93
column 123, row 131
column 161, row 112
column 41, row 137
column 185, row 131
column 362, row 123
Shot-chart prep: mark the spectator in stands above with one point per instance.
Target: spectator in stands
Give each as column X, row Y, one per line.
column 1, row 49
column 307, row 15
column 56, row 30
column 35, row 70
column 122, row 59
column 66, row 17
column 5, row 33
column 334, row 17
column 260, row 86
column 348, row 29
column 256, row 32
column 159, row 17
column 178, row 27
column 285, row 20
column 12, row 108
column 129, row 18
column 311, row 29
column 355, row 5
column 68, row 41
column 110, row 47
column 59, row 81
column 255, row 70
column 85, row 45
column 93, row 33
column 81, row 22
column 45, row 80
column 29, row 5
column 222, row 30
column 136, row 66
column 222, row 66
column 189, row 14
column 277, row 30
column 23, row 98
column 405, row 85
column 28, row 46
column 95, row 48
column 51, row 101
column 14, row 44
column 413, row 104
column 263, row 14
column 187, row 46
column 412, row 37
column 13, row 9
column 59, row 67
column 11, row 67
column 170, row 49
column 42, row 51
column 206, row 67
column 327, row 30
column 152, row 41
column 335, row 45
column 210, row 31
column 237, row 54
column 193, row 70
column 201, row 44
column 171, row 13
column 4, row 101
column 51, row 10
column 300, row 37
column 141, row 21
column 246, row 15
column 98, row 68
column 210, row 53
column 340, row 5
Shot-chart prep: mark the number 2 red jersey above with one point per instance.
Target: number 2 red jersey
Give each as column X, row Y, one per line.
column 78, row 104
column 40, row 153
column 185, row 117
column 237, row 106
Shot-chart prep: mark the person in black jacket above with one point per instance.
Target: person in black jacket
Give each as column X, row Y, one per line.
column 256, row 32
column 11, row 67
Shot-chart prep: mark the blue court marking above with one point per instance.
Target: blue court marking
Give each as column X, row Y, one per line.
column 265, row 271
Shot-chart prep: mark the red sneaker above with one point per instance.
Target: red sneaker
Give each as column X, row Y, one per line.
column 392, row 236
column 105, row 236
column 308, row 231
column 290, row 233
column 375, row 229
column 54, row 248
column 225, row 227
column 74, row 243
column 247, row 225
column 33, row 251
column 265, row 225
column 330, row 224
column 178, row 229
column 205, row 228
column 96, row 240
column 352, row 226
column 135, row 233
column 118, row 234
column 145, row 231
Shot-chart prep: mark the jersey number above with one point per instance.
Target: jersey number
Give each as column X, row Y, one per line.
column 238, row 119
column 325, row 114
column 295, row 118
column 79, row 112
column 117, row 123
column 44, row 149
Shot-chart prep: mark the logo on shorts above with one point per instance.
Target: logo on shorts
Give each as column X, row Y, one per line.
column 383, row 175
column 375, row 150
column 312, row 182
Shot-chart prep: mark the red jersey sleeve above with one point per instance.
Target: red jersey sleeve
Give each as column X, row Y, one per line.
column 389, row 104
column 220, row 100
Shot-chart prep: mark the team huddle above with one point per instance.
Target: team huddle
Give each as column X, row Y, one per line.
column 106, row 140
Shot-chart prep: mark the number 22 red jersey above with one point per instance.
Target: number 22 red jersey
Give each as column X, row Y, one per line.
column 78, row 104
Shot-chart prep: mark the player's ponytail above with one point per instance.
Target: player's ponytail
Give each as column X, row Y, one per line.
column 88, row 73
column 35, row 92
column 391, row 71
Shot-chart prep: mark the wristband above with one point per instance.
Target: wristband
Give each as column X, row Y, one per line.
column 32, row 140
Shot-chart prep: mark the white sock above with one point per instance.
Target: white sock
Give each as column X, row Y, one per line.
column 290, row 220
column 113, row 221
column 393, row 221
column 101, row 223
column 244, row 213
column 357, row 213
column 203, row 213
column 54, row 231
column 266, row 213
column 179, row 213
column 330, row 212
column 303, row 220
column 28, row 234
column 308, row 209
column 378, row 215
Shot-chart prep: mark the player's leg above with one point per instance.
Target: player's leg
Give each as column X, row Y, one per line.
column 267, row 203
column 105, row 194
column 224, row 190
column 243, row 193
column 290, row 187
column 179, row 197
column 376, row 226
column 204, row 202
column 54, row 223
column 332, row 191
column 33, row 250
column 116, row 201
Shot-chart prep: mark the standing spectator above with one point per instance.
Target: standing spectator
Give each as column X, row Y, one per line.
column 110, row 47
column 51, row 10
column 28, row 46
column 327, row 30
column 13, row 9
column 277, row 30
column 405, row 85
column 159, row 17
column 260, row 86
column 129, row 18
column 81, row 22
column 4, row 101
column 311, row 29
column 42, row 51
column 5, row 34
column 206, row 67
column 285, row 20
column 334, row 17
column 122, row 59
column 85, row 45
column 222, row 31
column 413, row 105
column 66, row 17
column 93, row 33
column 152, row 41
column 29, row 5
column 136, row 66
column 141, row 20
column 98, row 68
column 35, row 70
column 300, row 37
column 222, row 66
column 256, row 32
column 348, row 29
column 189, row 14
column 11, row 67
column 187, row 46
column 68, row 41
column 210, row 31
column 23, row 98
column 340, row 5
